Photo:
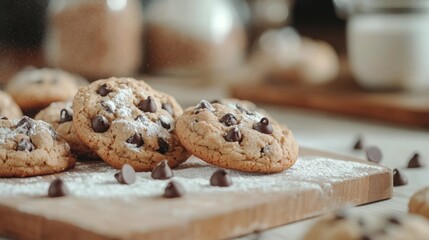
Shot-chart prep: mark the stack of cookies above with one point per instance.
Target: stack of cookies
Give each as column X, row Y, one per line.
column 126, row 121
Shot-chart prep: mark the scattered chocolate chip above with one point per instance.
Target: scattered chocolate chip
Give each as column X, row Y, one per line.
column 174, row 190
column 228, row 120
column 57, row 189
column 204, row 105
column 103, row 90
column 162, row 146
column 358, row 145
column 136, row 139
column 264, row 126
column 220, row 178
column 100, row 124
column 167, row 107
column 26, row 123
column 398, row 178
column 416, row 161
column 65, row 116
column 127, row 175
column 374, row 154
column 162, row 171
column 4, row 118
column 25, row 145
column 394, row 220
column 147, row 105
column 233, row 135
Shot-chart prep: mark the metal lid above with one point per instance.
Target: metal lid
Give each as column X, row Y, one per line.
column 350, row 7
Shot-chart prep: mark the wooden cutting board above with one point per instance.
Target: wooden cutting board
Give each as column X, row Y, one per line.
column 100, row 208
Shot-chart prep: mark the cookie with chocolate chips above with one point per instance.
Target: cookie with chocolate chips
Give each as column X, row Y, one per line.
column 34, row 89
column 60, row 116
column 369, row 227
column 126, row 121
column 31, row 148
column 8, row 107
column 231, row 136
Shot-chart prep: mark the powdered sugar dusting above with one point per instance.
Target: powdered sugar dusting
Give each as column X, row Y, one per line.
column 96, row 180
column 151, row 128
column 120, row 101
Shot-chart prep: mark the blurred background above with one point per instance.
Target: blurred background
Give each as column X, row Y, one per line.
column 293, row 50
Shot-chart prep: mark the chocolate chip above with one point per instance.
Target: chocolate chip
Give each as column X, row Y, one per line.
column 103, row 90
column 398, row 178
column 174, row 190
column 220, row 178
column 4, row 118
column 394, row 220
column 358, row 145
column 100, row 124
column 162, row 171
column 162, row 146
column 167, row 107
column 374, row 154
column 136, row 139
column 57, row 189
column 340, row 215
column 26, row 123
column 65, row 116
column 233, row 135
column 216, row 101
column 416, row 161
column 164, row 124
column 228, row 120
column 265, row 149
column 147, row 105
column 25, row 145
column 127, row 175
column 264, row 126
column 204, row 105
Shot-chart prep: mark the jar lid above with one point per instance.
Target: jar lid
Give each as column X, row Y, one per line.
column 349, row 7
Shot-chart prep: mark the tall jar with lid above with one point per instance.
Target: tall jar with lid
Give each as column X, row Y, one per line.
column 193, row 37
column 94, row 38
column 388, row 42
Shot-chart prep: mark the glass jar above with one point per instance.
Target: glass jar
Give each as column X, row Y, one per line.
column 193, row 37
column 388, row 42
column 94, row 38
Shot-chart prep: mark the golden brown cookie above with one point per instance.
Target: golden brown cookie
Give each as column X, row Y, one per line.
column 60, row 116
column 124, row 121
column 31, row 148
column 34, row 89
column 375, row 227
column 419, row 203
column 8, row 107
column 231, row 136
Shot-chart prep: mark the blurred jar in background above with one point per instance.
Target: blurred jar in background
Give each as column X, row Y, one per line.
column 193, row 37
column 388, row 42
column 95, row 38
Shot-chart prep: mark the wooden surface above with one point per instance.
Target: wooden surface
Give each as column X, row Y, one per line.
column 396, row 107
column 195, row 216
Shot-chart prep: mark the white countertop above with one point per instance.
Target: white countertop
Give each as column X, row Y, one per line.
column 336, row 134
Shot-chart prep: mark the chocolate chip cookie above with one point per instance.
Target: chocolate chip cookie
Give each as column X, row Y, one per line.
column 30, row 148
column 231, row 136
column 34, row 89
column 8, row 107
column 419, row 203
column 60, row 116
column 374, row 227
column 125, row 121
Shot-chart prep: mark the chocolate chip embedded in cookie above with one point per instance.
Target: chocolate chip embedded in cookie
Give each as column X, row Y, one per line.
column 125, row 121
column 231, row 136
column 31, row 148
column 34, row 89
column 60, row 116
